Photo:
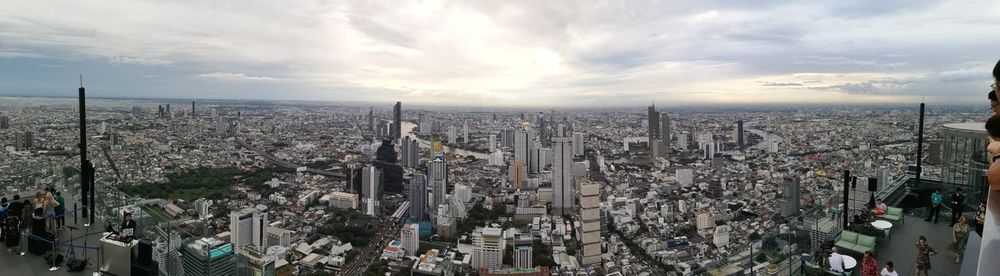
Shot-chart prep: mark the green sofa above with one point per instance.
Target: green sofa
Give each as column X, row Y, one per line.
column 855, row 242
column 893, row 214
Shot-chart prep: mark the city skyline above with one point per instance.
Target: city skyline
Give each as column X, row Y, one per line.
column 520, row 54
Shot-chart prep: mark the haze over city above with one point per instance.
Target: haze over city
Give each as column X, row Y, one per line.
column 510, row 53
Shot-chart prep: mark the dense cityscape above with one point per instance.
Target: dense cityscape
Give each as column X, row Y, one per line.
column 320, row 188
column 499, row 138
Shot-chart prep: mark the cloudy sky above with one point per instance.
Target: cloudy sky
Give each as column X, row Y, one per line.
column 505, row 53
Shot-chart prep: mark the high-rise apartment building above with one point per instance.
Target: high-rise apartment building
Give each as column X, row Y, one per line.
column 522, row 252
column 209, row 257
column 562, row 175
column 518, row 173
column 4, row 122
column 493, row 143
column 438, row 174
column 371, row 190
column 409, row 238
column 578, row 143
column 248, row 227
column 590, row 217
column 653, row 131
column 488, row 246
column 665, row 135
column 418, row 197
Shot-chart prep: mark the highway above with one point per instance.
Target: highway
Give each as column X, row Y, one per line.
column 388, row 230
column 286, row 164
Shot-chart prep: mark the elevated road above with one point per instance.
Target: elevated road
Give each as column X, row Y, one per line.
column 388, row 229
column 285, row 163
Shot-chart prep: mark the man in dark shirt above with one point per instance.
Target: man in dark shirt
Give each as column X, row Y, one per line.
column 957, row 200
column 16, row 207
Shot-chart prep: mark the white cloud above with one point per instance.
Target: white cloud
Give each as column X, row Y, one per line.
column 119, row 60
column 237, row 77
column 505, row 52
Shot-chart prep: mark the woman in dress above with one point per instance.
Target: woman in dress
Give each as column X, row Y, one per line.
column 924, row 252
column 959, row 236
column 869, row 266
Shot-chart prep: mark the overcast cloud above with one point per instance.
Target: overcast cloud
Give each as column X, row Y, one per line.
column 505, row 53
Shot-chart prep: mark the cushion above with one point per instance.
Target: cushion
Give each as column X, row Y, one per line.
column 892, row 217
column 849, row 236
column 845, row 245
column 867, row 241
column 894, row 211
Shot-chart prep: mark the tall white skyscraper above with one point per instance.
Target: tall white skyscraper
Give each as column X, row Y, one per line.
column 488, row 246
column 578, row 143
column 371, row 190
column 590, row 215
column 248, row 227
column 452, row 135
column 562, row 175
column 409, row 239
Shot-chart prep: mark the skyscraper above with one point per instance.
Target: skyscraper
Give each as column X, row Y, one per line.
column 452, row 135
column 414, row 153
column 562, row 175
column 488, row 246
column 438, row 173
column 371, row 189
column 653, row 131
column 518, row 173
column 371, row 119
column 209, row 257
column 521, row 146
column 665, row 135
column 590, row 244
column 739, row 133
column 409, row 239
column 248, row 227
column 790, row 197
column 418, row 197
column 578, row 144
column 522, row 252
column 465, row 132
column 24, row 140
column 492, row 142
column 397, row 120
column 4, row 122
column 404, row 152
column 194, row 112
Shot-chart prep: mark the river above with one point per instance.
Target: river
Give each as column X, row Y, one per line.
column 408, row 127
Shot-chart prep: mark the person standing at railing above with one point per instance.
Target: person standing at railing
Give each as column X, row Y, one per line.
column 935, row 207
column 60, row 210
column 957, row 201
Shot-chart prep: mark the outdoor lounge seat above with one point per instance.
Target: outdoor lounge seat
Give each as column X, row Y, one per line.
column 855, row 242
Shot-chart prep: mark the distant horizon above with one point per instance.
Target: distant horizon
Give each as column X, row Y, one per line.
column 388, row 104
